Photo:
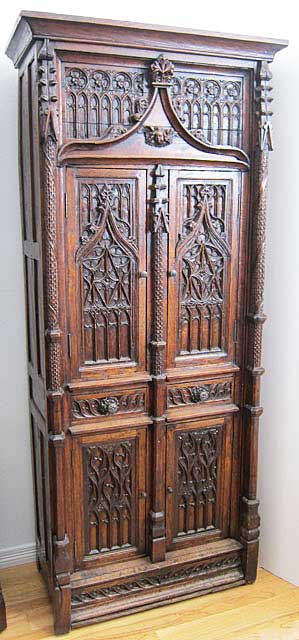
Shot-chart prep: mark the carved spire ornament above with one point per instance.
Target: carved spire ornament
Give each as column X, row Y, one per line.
column 264, row 107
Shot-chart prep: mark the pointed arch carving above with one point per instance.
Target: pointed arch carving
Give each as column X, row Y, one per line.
column 108, row 261
column 202, row 251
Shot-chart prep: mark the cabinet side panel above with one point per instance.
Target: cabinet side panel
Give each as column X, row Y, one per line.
column 33, row 274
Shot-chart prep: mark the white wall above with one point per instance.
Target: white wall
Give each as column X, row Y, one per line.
column 278, row 485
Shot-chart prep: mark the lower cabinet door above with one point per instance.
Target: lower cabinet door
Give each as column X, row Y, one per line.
column 198, row 481
column 110, row 496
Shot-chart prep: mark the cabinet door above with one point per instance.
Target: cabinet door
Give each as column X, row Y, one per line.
column 198, row 481
column 203, row 253
column 106, row 256
column 110, row 496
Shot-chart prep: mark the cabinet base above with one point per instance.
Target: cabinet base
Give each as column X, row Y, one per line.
column 121, row 590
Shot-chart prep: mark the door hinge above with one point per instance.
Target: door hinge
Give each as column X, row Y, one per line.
column 69, row 344
column 239, row 199
column 235, row 331
column 65, row 206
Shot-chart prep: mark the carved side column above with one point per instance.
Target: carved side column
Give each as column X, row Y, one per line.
column 54, row 355
column 255, row 319
column 159, row 206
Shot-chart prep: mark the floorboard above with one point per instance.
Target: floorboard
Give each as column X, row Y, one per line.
column 266, row 610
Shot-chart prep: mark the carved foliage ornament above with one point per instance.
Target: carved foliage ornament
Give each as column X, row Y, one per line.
column 199, row 393
column 162, row 71
column 95, row 407
column 168, row 577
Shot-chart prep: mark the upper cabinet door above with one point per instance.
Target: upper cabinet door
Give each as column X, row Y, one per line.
column 106, row 253
column 203, row 266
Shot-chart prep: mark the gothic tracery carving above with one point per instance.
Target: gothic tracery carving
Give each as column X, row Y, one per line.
column 109, row 504
column 197, row 463
column 103, row 103
column 108, row 259
column 202, row 251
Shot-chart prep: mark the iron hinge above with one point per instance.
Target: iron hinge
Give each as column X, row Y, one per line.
column 235, row 331
column 69, row 344
column 65, row 206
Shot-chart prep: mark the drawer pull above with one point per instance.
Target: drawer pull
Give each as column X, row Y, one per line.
column 108, row 406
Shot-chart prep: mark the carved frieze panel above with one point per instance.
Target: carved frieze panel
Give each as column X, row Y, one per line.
column 210, row 107
column 108, row 259
column 171, row 576
column 109, row 478
column 199, row 393
column 108, row 405
column 202, row 251
column 197, row 457
column 103, row 102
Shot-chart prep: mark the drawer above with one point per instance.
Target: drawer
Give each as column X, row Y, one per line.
column 200, row 391
column 95, row 406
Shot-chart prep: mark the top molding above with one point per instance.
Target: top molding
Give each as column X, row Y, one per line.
column 33, row 25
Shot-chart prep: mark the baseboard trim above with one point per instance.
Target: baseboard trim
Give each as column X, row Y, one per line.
column 22, row 554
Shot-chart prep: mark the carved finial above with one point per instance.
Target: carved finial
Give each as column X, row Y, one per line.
column 264, row 110
column 162, row 71
column 47, row 90
column 159, row 203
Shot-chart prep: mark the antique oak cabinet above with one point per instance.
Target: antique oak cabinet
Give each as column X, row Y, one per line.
column 143, row 177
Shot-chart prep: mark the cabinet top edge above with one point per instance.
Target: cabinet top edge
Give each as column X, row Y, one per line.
column 32, row 25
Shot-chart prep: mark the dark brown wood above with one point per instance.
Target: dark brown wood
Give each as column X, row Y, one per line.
column 143, row 170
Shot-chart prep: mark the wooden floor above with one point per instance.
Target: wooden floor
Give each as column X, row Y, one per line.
column 269, row 609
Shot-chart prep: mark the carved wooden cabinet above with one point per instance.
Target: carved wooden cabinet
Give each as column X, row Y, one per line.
column 144, row 154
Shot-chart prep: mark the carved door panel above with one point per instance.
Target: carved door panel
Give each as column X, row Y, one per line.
column 203, row 263
column 198, row 481
column 106, row 253
column 110, row 496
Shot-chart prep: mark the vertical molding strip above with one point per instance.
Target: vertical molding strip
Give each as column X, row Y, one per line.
column 250, row 520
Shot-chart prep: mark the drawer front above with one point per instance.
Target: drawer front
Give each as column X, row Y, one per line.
column 100, row 405
column 199, row 392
